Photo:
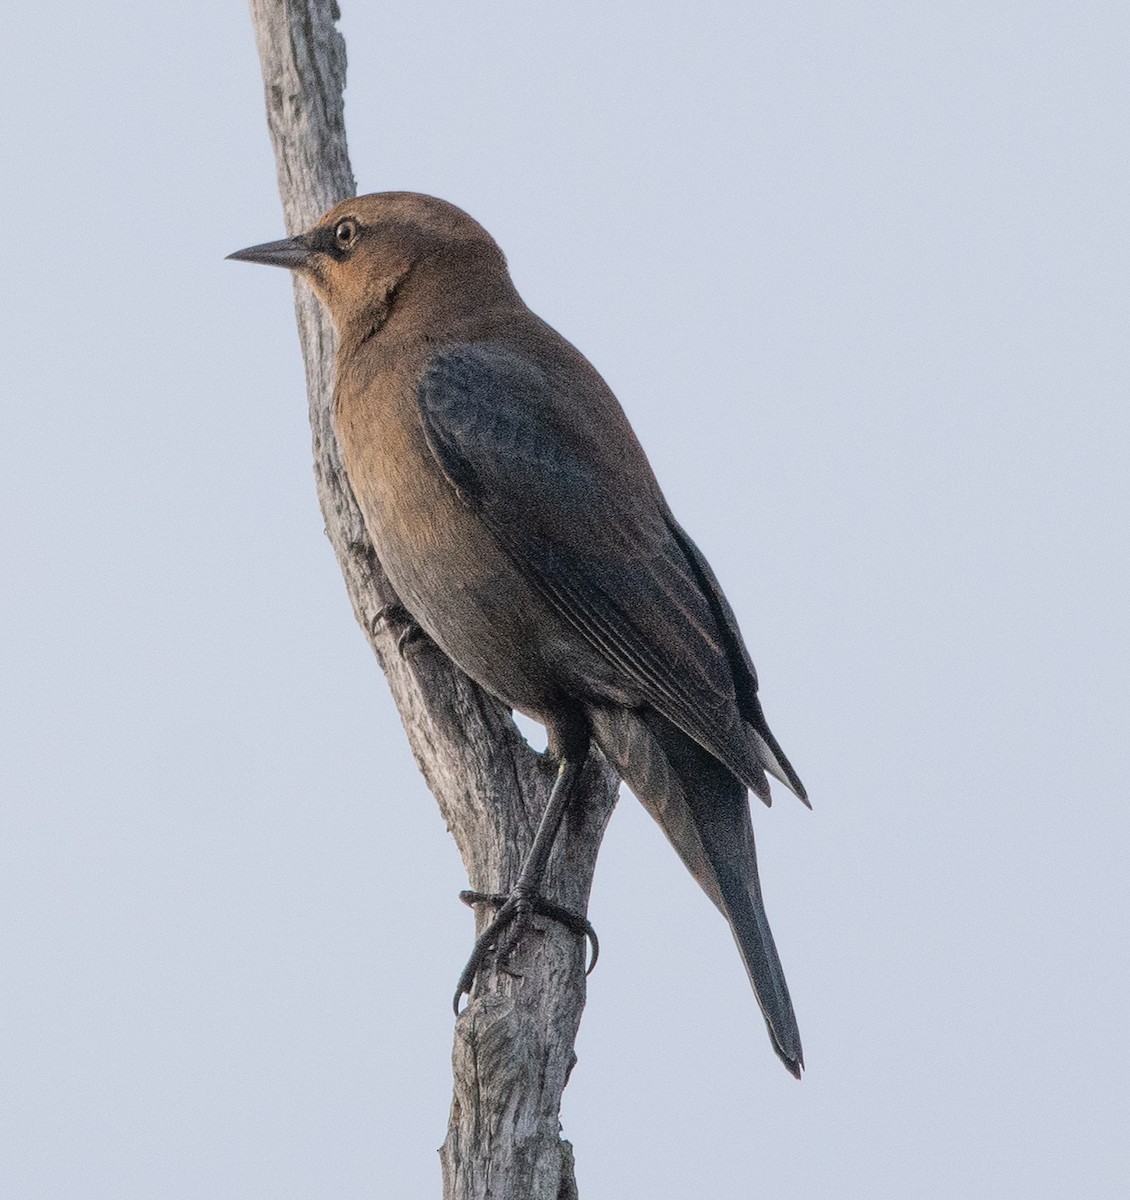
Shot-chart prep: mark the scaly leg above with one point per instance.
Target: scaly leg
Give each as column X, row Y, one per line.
column 526, row 898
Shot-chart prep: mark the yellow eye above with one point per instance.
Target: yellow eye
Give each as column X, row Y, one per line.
column 345, row 234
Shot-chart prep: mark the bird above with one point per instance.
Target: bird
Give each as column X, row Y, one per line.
column 524, row 531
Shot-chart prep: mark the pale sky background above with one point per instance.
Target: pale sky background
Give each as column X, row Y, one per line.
column 859, row 275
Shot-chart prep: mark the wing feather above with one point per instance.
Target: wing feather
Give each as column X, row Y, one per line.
column 560, row 489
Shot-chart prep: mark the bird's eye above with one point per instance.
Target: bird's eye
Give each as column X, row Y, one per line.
column 345, row 234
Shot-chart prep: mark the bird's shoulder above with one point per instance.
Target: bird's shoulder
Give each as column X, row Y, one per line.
column 526, row 411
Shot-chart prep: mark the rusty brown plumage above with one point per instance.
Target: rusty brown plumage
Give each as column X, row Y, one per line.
column 521, row 525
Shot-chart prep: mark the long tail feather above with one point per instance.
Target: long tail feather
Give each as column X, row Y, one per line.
column 703, row 810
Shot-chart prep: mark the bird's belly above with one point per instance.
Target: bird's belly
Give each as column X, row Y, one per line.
column 488, row 621
column 464, row 591
column 452, row 575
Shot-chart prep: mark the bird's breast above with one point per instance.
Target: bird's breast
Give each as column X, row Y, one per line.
column 446, row 567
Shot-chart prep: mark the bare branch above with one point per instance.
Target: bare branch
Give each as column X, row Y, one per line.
column 514, row 1043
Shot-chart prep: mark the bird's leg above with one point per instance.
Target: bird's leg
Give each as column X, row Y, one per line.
column 525, row 898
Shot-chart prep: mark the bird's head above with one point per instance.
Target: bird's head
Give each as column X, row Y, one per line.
column 361, row 254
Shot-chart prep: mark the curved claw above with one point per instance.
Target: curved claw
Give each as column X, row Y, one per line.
column 573, row 921
column 395, row 615
column 485, row 942
column 509, row 908
column 413, row 638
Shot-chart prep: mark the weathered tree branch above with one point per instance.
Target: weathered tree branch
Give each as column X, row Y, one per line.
column 514, row 1042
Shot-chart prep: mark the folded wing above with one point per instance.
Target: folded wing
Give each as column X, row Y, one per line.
column 575, row 505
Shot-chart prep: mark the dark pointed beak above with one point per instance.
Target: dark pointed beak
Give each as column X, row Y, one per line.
column 295, row 253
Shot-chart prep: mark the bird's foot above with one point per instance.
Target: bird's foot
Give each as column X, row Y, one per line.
column 508, row 925
column 395, row 615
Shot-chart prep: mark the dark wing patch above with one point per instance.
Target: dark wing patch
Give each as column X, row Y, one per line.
column 564, row 498
column 480, row 415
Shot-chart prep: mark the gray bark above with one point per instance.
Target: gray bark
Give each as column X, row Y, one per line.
column 513, row 1046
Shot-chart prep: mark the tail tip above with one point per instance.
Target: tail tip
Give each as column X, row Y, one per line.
column 785, row 1039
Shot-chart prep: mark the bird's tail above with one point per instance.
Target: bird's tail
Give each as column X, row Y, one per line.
column 704, row 811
